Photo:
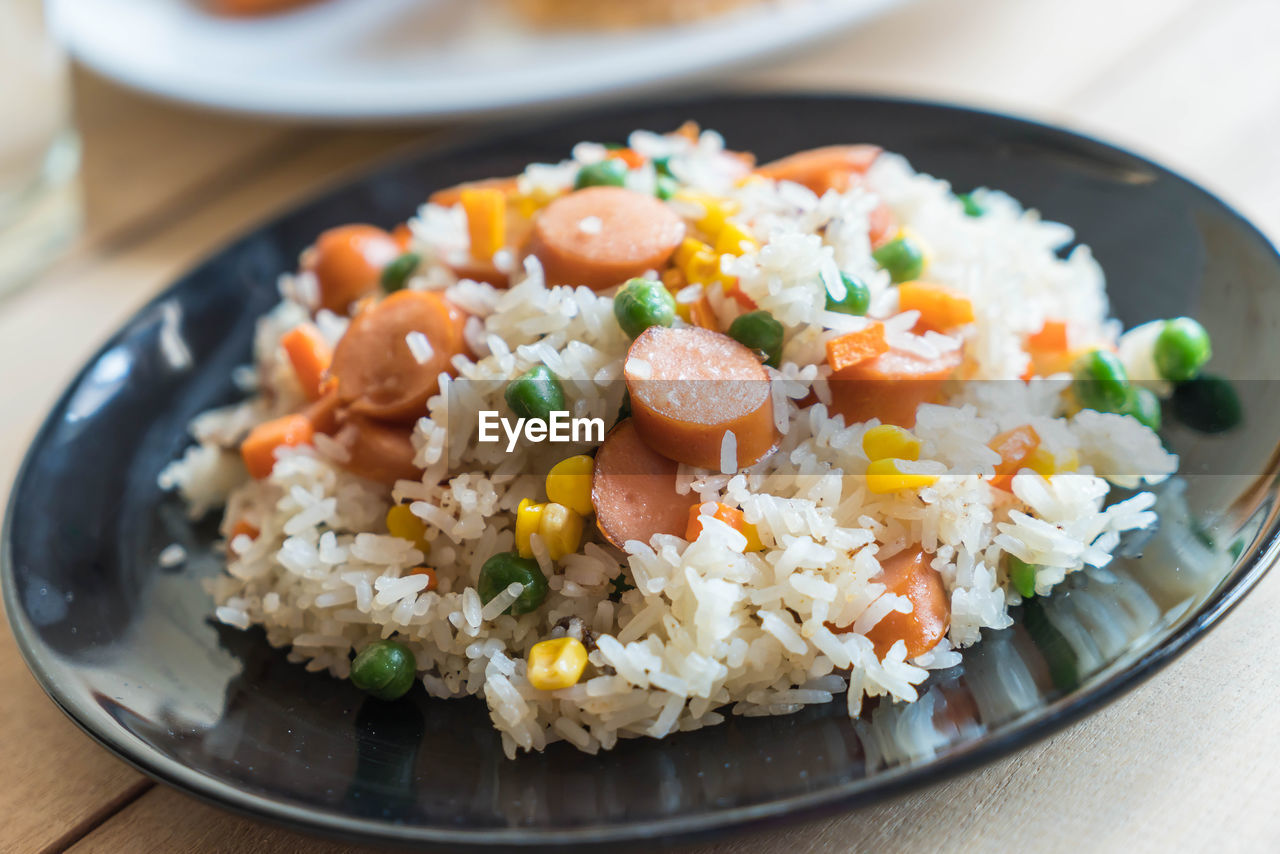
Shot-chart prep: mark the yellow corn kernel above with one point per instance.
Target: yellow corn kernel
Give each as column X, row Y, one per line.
column 714, row 211
column 925, row 252
column 555, row 664
column 886, row 441
column 734, row 239
column 884, row 476
column 528, row 520
column 569, row 483
column 560, row 529
column 703, row 268
column 688, row 247
column 1045, row 464
column 752, row 533
column 727, row 282
column 403, row 524
column 527, row 206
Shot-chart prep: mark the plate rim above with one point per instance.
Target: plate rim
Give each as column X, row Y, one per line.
column 582, row 89
column 43, row 664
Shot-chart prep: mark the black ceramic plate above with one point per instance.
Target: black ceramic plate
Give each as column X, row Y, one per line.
column 127, row 649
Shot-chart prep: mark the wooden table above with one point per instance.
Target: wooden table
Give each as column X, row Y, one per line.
column 1188, row 761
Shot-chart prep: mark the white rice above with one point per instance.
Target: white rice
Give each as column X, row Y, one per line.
column 419, row 347
column 171, row 555
column 709, row 627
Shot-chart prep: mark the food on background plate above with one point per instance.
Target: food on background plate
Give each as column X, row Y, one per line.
column 239, row 8
column 632, row 13
column 836, row 420
column 549, row 13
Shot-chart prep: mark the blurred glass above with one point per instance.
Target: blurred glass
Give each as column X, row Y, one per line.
column 39, row 151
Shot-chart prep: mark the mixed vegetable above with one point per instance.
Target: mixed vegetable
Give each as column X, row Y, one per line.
column 664, row 267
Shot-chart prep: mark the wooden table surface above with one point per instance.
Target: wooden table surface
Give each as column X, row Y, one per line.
column 1188, row 761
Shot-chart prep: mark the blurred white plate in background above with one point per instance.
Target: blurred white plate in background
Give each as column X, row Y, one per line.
column 401, row 59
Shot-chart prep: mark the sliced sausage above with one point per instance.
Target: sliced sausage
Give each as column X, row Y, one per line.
column 323, row 412
column 891, row 386
column 832, row 167
column 602, row 236
column 377, row 450
column 908, row 574
column 347, row 262
column 690, row 386
column 377, row 374
column 633, row 490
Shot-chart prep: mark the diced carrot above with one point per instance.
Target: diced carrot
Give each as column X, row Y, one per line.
column 243, row 527
column 486, row 210
column 629, row 156
column 732, row 517
column 402, row 235
column 1052, row 337
column 259, row 448
column 450, row 196
column 854, row 348
column 701, row 314
column 1015, row 448
column 940, row 307
column 882, row 225
column 433, row 580
column 310, row 356
column 746, row 302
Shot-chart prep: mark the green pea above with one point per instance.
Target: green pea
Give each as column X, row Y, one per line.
column 972, row 207
column 502, row 570
column 535, row 394
column 666, row 187
column 1182, row 349
column 857, row 297
column 396, row 274
column 1023, row 576
column 606, row 173
column 757, row 330
column 641, row 303
column 902, row 258
column 386, row 669
column 1101, row 382
column 1144, row 406
column 662, row 165
column 1207, row 404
